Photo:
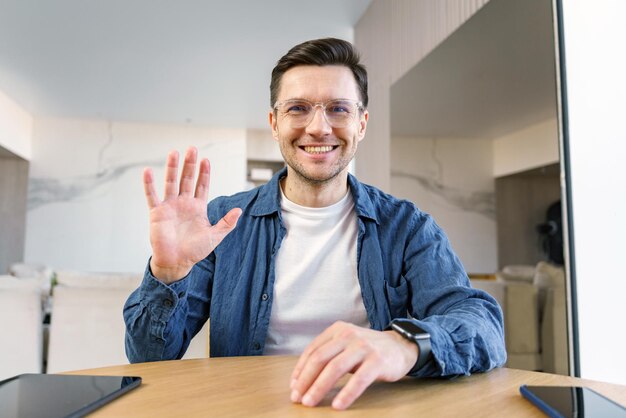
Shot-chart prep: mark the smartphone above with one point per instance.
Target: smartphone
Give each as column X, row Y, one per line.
column 572, row 402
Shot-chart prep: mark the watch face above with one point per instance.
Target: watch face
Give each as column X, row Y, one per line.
column 411, row 329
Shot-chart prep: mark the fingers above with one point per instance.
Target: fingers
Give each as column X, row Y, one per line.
column 315, row 364
column 318, row 341
column 186, row 187
column 204, row 176
column 148, row 187
column 171, row 175
column 366, row 374
column 331, row 372
column 328, row 357
column 345, row 348
column 189, row 169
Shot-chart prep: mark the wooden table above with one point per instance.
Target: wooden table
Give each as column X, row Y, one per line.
column 259, row 386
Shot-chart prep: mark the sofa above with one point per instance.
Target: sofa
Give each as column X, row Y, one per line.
column 21, row 317
column 87, row 327
column 533, row 302
column 55, row 321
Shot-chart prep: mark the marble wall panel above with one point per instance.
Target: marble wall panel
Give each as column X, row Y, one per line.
column 86, row 205
column 451, row 179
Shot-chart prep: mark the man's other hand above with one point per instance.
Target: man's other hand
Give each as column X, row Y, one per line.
column 345, row 348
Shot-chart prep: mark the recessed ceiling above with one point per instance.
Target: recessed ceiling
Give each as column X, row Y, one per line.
column 201, row 62
column 5, row 153
column 494, row 75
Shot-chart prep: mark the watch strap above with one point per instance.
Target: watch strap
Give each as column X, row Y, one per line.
column 422, row 340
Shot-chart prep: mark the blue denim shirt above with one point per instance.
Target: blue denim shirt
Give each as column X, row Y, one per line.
column 406, row 268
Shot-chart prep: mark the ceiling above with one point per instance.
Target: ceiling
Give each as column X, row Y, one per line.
column 202, row 62
column 494, row 75
column 5, row 153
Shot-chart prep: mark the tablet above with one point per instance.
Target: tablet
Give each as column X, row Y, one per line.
column 55, row 395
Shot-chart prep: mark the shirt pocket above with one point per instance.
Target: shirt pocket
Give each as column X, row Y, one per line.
column 398, row 298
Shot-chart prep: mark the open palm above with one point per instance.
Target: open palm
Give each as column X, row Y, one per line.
column 180, row 232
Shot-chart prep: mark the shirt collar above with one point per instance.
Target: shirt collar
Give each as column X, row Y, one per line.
column 268, row 198
column 362, row 200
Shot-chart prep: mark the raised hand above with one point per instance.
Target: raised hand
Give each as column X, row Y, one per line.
column 180, row 232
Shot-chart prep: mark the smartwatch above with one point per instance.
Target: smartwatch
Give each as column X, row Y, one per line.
column 412, row 332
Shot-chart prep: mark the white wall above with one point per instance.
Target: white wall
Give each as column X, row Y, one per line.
column 532, row 147
column 393, row 36
column 595, row 66
column 16, row 127
column 262, row 146
column 87, row 209
column 451, row 179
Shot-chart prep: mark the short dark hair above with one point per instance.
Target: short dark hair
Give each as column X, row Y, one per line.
column 326, row 51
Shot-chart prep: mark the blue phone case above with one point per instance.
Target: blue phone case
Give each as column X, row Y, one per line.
column 572, row 401
column 537, row 401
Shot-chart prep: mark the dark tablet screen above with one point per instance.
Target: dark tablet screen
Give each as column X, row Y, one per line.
column 54, row 395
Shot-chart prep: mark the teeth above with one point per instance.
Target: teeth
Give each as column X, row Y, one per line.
column 318, row 150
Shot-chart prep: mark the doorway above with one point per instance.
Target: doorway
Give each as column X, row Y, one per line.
column 475, row 143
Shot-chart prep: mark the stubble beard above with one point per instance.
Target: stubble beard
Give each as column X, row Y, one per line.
column 304, row 175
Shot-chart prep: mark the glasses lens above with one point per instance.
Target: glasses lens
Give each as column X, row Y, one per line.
column 340, row 113
column 297, row 112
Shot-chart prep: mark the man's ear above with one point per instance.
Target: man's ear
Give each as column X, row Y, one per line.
column 363, row 125
column 273, row 124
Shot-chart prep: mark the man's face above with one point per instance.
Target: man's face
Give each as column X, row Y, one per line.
column 318, row 152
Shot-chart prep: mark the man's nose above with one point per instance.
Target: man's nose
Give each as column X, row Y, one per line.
column 318, row 125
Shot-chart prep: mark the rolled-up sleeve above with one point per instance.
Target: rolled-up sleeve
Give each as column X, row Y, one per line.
column 162, row 319
column 465, row 324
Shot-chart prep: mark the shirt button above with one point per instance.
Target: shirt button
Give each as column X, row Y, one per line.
column 264, row 296
column 257, row 346
column 167, row 303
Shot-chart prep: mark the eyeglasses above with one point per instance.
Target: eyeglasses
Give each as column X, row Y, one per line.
column 339, row 113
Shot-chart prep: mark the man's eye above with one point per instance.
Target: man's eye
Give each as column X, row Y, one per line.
column 297, row 108
column 339, row 108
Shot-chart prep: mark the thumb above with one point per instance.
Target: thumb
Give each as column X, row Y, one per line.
column 231, row 218
column 225, row 225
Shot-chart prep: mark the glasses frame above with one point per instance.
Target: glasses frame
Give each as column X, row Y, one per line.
column 322, row 105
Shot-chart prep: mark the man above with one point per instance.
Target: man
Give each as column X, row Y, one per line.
column 314, row 262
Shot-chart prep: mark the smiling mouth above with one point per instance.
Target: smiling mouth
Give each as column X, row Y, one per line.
column 319, row 150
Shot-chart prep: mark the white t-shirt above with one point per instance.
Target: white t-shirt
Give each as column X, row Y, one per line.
column 316, row 275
